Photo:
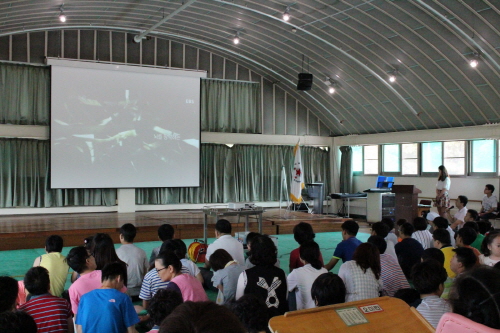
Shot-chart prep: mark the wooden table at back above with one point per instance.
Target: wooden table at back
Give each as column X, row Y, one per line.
column 382, row 314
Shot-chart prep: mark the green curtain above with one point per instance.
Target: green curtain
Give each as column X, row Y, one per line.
column 243, row 173
column 346, row 170
column 24, row 95
column 25, row 181
column 230, row 106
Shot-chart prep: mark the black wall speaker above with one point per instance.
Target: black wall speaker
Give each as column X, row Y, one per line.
column 305, row 81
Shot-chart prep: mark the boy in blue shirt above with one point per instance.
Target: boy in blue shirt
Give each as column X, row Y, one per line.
column 107, row 309
column 346, row 248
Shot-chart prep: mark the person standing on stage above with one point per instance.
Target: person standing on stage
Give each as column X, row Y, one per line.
column 442, row 188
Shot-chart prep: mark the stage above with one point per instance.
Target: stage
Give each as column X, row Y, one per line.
column 30, row 231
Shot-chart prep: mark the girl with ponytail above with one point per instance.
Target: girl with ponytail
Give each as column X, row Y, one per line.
column 301, row 279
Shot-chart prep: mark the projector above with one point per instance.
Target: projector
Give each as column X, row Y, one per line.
column 241, row 205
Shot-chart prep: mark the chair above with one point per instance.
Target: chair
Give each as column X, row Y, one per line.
column 455, row 323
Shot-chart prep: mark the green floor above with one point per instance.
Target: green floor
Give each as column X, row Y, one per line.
column 16, row 263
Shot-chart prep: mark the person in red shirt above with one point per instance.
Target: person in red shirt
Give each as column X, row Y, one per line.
column 302, row 233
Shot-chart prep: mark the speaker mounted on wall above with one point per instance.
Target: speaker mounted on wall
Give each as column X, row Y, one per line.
column 305, row 81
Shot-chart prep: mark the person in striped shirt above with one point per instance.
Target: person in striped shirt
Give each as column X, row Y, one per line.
column 51, row 313
column 421, row 234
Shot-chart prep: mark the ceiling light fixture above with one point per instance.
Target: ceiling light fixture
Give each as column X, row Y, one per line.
column 474, row 61
column 286, row 14
column 331, row 84
column 62, row 17
column 236, row 39
column 392, row 77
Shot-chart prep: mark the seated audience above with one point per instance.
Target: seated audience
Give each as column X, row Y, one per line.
column 399, row 223
column 54, row 262
column 442, row 241
column 490, row 249
column 489, row 204
column 328, row 289
column 265, row 280
column 51, row 313
column 165, row 232
column 361, row 275
column 438, row 255
column 17, row 322
column 391, row 274
column 463, row 260
column 465, row 237
column 421, row 234
column 252, row 313
column 345, row 249
column 476, row 295
column 87, row 243
column 302, row 233
column 408, row 250
column 8, row 294
column 479, row 238
column 197, row 317
column 409, row 295
column 134, row 257
column 456, row 221
column 107, row 309
column 168, row 266
column 300, row 280
column 442, row 223
column 162, row 304
column 103, row 251
column 393, row 233
column 179, row 248
column 485, row 227
column 250, row 237
column 428, row 278
column 382, row 230
column 226, row 274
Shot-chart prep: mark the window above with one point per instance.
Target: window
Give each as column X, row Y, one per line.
column 390, row 158
column 409, row 161
column 357, row 159
column 370, row 160
column 483, row 157
column 454, row 157
column 432, row 156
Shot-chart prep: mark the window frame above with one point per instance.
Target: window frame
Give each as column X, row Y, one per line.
column 381, row 160
column 493, row 174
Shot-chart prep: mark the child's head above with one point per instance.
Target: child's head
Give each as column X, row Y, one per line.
column 252, row 312
column 17, row 322
column 465, row 236
column 328, row 289
column 175, row 245
column 471, row 215
column 303, row 232
column 37, row 281
column 440, row 222
column 406, row 229
column 165, row 232
column 114, row 271
column 484, row 227
column 491, row 244
column 350, row 227
column 54, row 243
column 419, row 223
column 463, row 260
column 389, row 222
column 433, row 253
column 163, row 303
column 472, row 225
column 409, row 295
column 128, row 232
column 476, row 295
column 441, row 238
column 310, row 253
column 380, row 229
column 219, row 259
column 80, row 260
column 428, row 277
column 8, row 293
column 379, row 242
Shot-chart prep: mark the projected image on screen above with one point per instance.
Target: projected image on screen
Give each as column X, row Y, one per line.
column 115, row 128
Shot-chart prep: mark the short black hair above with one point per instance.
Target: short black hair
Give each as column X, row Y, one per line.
column 263, row 252
column 442, row 235
column 407, row 229
column 379, row 242
column 180, row 248
column 463, row 199
column 128, row 231
column 490, row 187
column 163, row 303
column 223, row 226
column 250, row 237
column 381, row 229
column 112, row 270
column 54, row 243
column 351, row 227
column 303, row 232
column 441, row 222
column 166, row 231
column 8, row 293
column 309, row 251
column 472, row 225
column 77, row 259
column 389, row 221
column 484, row 227
column 252, row 312
column 169, row 258
column 427, row 276
column 17, row 322
column 219, row 259
column 473, row 213
column 400, row 222
column 37, row 281
column 467, row 234
column 174, row 246
column 466, row 257
column 488, row 239
column 420, row 223
column 409, row 295
column 328, row 289
column 434, row 254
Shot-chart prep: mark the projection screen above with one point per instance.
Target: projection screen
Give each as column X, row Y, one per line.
column 118, row 126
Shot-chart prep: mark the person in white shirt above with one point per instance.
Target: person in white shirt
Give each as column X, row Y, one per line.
column 458, row 220
column 442, row 188
column 489, row 204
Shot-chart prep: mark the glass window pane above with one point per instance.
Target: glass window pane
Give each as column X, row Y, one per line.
column 391, row 158
column 432, row 156
column 455, row 166
column 357, row 159
column 371, row 167
column 371, row 160
column 409, row 150
column 410, row 167
column 454, row 149
column 483, row 156
column 371, row 152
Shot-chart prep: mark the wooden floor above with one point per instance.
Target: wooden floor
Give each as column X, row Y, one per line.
column 30, row 231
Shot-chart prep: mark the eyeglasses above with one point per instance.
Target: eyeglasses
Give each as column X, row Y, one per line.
column 158, row 270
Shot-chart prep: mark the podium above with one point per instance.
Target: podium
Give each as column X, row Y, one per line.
column 406, row 201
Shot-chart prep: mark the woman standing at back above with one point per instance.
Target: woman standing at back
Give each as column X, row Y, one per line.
column 442, row 188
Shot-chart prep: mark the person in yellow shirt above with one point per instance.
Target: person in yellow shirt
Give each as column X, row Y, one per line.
column 54, row 262
column 442, row 241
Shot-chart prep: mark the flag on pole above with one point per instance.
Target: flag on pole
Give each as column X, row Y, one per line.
column 297, row 177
